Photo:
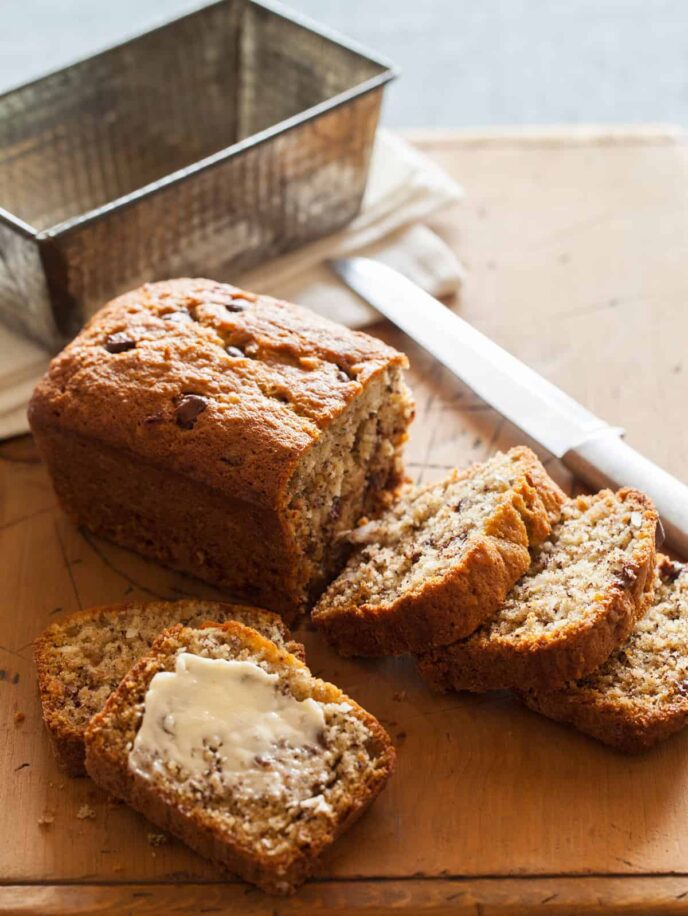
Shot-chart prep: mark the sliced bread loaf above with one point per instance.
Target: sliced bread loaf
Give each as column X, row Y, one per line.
column 640, row 695
column 229, row 743
column 581, row 597
column 442, row 560
column 83, row 657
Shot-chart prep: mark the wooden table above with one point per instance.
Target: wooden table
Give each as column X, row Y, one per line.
column 575, row 245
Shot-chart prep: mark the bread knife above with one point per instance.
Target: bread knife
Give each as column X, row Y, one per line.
column 592, row 449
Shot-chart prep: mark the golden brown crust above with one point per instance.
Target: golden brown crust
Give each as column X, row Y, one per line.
column 108, row 766
column 630, row 727
column 451, row 606
column 247, row 440
column 67, row 735
column 485, row 661
column 610, row 724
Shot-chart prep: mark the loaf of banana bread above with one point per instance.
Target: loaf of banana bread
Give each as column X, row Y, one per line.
column 227, row 435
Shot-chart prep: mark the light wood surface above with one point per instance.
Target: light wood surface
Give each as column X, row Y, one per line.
column 575, row 250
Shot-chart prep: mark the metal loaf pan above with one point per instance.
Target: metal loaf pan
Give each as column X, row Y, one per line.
column 219, row 140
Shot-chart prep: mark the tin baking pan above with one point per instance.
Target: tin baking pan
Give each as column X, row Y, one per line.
column 221, row 139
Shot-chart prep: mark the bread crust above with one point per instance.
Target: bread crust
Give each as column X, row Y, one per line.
column 215, row 413
column 609, row 723
column 276, row 874
column 486, row 661
column 632, row 728
column 66, row 736
column 451, row 606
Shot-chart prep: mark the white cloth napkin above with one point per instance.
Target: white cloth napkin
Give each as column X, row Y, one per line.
column 404, row 188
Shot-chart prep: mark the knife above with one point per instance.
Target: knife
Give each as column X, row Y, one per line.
column 592, row 449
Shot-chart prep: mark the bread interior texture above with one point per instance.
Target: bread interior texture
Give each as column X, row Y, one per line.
column 424, row 535
column 315, row 783
column 349, row 473
column 90, row 655
column 591, row 547
column 651, row 669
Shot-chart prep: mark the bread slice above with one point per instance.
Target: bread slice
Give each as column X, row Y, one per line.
column 442, row 560
column 583, row 593
column 640, row 695
column 270, row 833
column 83, row 657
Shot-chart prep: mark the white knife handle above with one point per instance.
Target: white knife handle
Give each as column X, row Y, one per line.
column 606, row 461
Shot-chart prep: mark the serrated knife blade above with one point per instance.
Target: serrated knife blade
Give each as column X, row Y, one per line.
column 589, row 446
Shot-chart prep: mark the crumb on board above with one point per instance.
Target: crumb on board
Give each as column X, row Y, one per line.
column 158, row 839
column 19, row 717
column 399, row 696
column 47, row 819
column 85, row 812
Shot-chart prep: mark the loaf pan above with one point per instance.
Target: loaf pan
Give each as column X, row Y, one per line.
column 223, row 138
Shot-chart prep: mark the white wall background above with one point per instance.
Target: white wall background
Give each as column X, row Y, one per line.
column 465, row 62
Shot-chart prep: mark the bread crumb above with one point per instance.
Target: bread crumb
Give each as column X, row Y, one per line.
column 19, row 717
column 47, row 819
column 158, row 839
column 399, row 696
column 85, row 811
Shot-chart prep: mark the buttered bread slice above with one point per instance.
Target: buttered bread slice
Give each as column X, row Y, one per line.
column 229, row 743
column 640, row 695
column 586, row 587
column 442, row 560
column 83, row 657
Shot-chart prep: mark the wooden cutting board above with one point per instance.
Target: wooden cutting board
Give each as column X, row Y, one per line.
column 575, row 245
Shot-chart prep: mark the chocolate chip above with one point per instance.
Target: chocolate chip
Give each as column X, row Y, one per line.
column 118, row 343
column 236, row 305
column 627, row 576
column 235, row 352
column 671, row 570
column 180, row 317
column 153, row 418
column 188, row 409
column 660, row 533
